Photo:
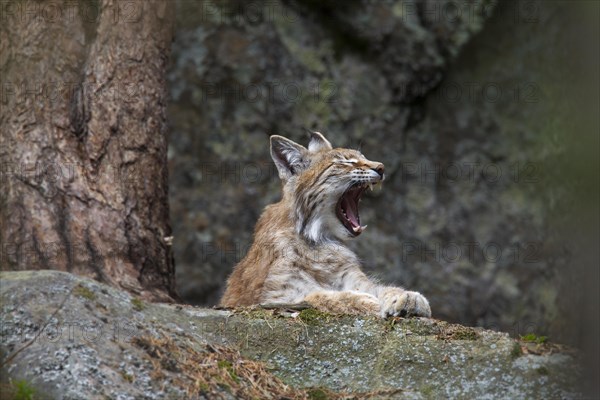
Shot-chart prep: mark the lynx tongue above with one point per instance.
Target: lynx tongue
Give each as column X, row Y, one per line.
column 348, row 210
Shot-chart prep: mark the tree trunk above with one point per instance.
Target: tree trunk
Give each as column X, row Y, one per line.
column 83, row 148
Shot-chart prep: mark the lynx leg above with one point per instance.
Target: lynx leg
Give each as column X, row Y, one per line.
column 347, row 302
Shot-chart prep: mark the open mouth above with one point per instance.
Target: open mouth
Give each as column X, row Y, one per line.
column 347, row 208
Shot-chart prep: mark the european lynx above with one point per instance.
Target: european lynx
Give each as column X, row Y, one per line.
column 298, row 252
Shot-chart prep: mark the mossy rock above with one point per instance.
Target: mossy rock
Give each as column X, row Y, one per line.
column 129, row 348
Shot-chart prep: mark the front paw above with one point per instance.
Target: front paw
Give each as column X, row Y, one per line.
column 405, row 304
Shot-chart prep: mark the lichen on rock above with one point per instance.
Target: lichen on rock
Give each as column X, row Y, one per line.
column 84, row 346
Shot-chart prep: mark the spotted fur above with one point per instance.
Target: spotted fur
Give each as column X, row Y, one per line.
column 298, row 253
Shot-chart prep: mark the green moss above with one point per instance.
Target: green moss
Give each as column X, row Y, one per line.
column 23, row 391
column 127, row 377
column 457, row 332
column 312, row 316
column 390, row 324
column 418, row 327
column 317, row 394
column 224, row 386
column 516, row 351
column 255, row 313
column 427, row 391
column 84, row 292
column 465, row 334
column 533, row 338
column 224, row 364
column 542, row 371
column 203, row 387
column 137, row 304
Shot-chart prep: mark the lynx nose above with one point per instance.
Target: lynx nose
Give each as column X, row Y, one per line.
column 379, row 169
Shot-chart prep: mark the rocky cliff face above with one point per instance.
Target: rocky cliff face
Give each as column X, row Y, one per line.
column 464, row 106
column 242, row 73
column 71, row 338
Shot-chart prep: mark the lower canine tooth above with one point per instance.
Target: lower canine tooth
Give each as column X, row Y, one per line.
column 359, row 228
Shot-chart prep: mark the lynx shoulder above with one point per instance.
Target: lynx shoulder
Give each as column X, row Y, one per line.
column 299, row 252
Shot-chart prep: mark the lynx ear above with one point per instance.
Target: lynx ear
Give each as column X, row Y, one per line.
column 289, row 156
column 318, row 142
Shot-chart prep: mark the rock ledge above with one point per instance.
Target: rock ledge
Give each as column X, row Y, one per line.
column 71, row 337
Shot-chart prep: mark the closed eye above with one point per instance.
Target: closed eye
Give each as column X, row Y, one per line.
column 351, row 161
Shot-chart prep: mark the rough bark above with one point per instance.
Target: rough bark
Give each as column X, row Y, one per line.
column 83, row 148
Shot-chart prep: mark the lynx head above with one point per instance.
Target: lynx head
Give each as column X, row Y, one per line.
column 323, row 186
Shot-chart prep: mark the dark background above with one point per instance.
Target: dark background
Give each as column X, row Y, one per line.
column 485, row 116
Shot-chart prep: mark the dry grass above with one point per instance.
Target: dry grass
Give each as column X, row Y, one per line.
column 544, row 348
column 217, row 369
column 457, row 332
